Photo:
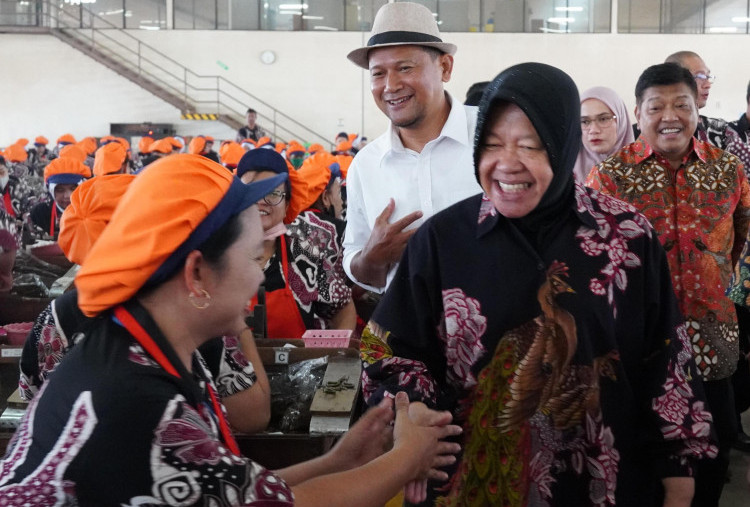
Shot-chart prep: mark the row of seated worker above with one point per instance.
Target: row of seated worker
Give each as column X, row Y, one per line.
column 29, row 191
column 303, row 222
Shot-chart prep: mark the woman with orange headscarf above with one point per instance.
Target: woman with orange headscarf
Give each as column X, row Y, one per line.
column 233, row 361
column 305, row 283
column 61, row 176
column 158, row 290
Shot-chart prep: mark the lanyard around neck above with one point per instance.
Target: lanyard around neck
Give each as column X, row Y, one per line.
column 148, row 343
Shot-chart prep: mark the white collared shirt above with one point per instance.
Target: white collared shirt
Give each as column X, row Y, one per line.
column 430, row 181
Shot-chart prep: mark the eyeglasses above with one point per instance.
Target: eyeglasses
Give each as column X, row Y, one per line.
column 700, row 76
column 601, row 121
column 274, row 198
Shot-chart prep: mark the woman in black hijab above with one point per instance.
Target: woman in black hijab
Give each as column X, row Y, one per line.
column 541, row 313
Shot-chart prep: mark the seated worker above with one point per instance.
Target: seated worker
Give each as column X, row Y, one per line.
column 305, row 283
column 295, row 154
column 233, row 361
column 61, row 176
column 541, row 313
column 111, row 158
column 323, row 174
column 10, row 242
column 134, row 381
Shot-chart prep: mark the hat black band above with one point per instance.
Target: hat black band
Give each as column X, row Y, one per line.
column 401, row 38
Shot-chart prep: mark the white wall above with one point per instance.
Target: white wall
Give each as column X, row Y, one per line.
column 49, row 88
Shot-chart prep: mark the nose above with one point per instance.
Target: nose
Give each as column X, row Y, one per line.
column 508, row 160
column 670, row 113
column 392, row 81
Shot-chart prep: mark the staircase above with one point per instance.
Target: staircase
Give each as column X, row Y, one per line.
column 164, row 77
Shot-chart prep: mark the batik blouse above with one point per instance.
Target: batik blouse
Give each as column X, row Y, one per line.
column 568, row 366
column 701, row 213
column 62, row 323
column 316, row 275
column 112, row 427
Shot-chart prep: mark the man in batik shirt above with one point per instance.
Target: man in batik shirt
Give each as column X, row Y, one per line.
column 698, row 200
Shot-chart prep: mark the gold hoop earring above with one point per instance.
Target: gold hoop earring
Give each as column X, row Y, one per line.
column 204, row 295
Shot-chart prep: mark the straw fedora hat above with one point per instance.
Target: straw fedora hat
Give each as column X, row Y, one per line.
column 398, row 24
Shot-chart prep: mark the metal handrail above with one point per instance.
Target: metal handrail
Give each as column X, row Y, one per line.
column 228, row 98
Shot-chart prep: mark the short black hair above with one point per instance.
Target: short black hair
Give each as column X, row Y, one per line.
column 664, row 74
column 251, row 110
column 747, row 97
column 434, row 53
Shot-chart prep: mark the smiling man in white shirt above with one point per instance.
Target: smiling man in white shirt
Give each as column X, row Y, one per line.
column 423, row 163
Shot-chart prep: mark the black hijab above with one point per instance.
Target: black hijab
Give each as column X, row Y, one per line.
column 549, row 97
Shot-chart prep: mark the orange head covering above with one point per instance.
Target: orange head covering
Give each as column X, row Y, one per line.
column 248, row 141
column 264, row 142
column 294, row 147
column 279, row 147
column 192, row 196
column 41, row 141
column 344, row 146
column 352, row 137
column 88, row 144
column 109, row 158
column 66, row 170
column 160, row 146
column 197, row 145
column 73, row 151
column 344, row 162
column 124, row 142
column 209, row 139
column 66, row 139
column 231, row 153
column 91, row 207
column 144, row 144
column 315, row 148
column 22, row 142
column 317, row 172
column 16, row 153
column 176, row 143
column 106, row 139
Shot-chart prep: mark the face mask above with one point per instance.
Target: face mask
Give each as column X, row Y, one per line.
column 4, row 181
column 297, row 162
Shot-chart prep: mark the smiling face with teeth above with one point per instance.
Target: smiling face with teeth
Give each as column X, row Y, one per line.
column 270, row 216
column 407, row 84
column 668, row 116
column 514, row 168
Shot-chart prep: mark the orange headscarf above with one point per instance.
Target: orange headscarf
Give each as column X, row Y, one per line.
column 73, row 151
column 182, row 190
column 64, row 166
column 344, row 162
column 316, row 172
column 231, row 153
column 197, row 145
column 294, row 147
column 22, row 142
column 264, row 142
column 315, row 148
column 91, row 207
column 41, row 140
column 109, row 158
column 144, row 144
column 160, row 146
column 66, row 139
column 88, row 145
column 16, row 153
column 344, row 146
